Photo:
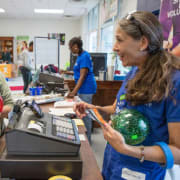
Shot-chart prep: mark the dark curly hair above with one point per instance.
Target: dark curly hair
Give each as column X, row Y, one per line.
column 78, row 41
column 153, row 81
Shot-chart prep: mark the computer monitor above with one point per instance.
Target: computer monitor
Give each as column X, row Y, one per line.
column 99, row 62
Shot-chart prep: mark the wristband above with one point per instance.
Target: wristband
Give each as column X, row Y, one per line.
column 168, row 154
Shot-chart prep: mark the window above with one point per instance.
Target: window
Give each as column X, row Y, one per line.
column 107, row 46
column 119, row 67
column 93, row 19
column 93, row 28
column 107, row 42
column 107, row 38
column 93, row 41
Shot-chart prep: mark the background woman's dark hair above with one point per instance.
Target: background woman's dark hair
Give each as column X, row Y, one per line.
column 78, row 41
column 31, row 46
column 154, row 80
column 31, row 43
column 25, row 43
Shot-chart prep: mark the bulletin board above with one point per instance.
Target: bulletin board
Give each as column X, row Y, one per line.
column 47, row 51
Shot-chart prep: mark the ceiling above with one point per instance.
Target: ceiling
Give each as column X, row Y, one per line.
column 24, row 9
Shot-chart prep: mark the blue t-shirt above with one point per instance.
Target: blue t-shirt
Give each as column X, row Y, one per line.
column 89, row 84
column 159, row 115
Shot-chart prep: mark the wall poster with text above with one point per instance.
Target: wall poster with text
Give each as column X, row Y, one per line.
column 169, row 18
column 25, row 46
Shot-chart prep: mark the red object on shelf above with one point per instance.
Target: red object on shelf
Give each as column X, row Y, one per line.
column 1, row 104
column 51, row 68
column 16, row 88
column 117, row 72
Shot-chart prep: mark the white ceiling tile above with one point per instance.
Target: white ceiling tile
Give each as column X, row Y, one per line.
column 25, row 8
column 75, row 11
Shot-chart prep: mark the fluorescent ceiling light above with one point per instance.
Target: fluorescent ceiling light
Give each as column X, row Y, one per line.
column 2, row 10
column 49, row 11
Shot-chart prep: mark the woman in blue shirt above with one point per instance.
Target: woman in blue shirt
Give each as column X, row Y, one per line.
column 84, row 77
column 152, row 87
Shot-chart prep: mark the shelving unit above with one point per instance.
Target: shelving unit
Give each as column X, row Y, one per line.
column 6, row 42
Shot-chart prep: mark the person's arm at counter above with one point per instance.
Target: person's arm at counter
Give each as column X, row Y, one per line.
column 66, row 72
column 83, row 73
column 80, row 108
column 107, row 109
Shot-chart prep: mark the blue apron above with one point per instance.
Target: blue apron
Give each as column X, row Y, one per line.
column 117, row 166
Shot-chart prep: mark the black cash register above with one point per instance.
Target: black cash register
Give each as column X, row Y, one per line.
column 51, row 82
column 39, row 145
column 35, row 133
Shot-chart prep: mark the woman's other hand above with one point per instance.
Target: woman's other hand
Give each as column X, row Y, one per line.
column 114, row 138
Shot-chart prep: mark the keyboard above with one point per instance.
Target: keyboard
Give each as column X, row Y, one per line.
column 63, row 127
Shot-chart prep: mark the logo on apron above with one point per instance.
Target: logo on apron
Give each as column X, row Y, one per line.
column 120, row 103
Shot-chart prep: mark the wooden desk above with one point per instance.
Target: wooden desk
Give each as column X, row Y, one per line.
column 90, row 169
column 106, row 91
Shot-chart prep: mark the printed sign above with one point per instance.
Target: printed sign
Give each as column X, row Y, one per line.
column 169, row 19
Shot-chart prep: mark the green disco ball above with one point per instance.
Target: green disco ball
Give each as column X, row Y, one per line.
column 132, row 125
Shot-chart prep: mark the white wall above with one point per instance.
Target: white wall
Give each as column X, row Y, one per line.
column 127, row 6
column 32, row 28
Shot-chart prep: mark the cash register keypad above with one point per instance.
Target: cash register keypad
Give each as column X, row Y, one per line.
column 63, row 128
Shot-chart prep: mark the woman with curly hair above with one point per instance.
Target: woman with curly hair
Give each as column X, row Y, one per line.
column 84, row 78
column 152, row 87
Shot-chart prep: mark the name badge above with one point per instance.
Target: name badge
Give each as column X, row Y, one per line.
column 132, row 175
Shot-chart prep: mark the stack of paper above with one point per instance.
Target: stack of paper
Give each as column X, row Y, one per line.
column 67, row 103
column 60, row 111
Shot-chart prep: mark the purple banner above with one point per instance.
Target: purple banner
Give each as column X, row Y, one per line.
column 170, row 20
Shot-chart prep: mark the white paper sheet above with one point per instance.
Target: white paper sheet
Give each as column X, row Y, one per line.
column 60, row 111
